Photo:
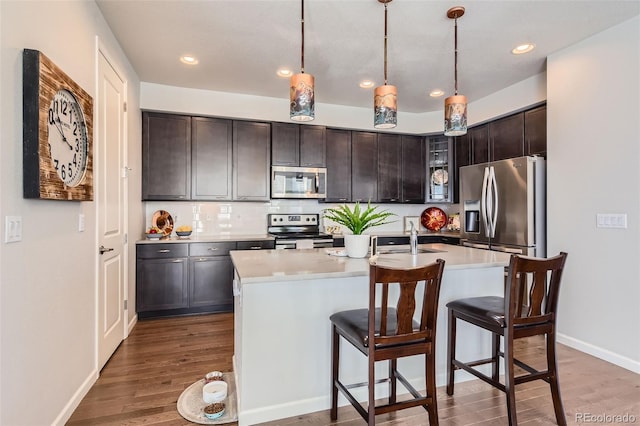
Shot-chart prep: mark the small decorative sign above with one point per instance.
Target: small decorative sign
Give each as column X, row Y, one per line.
column 408, row 220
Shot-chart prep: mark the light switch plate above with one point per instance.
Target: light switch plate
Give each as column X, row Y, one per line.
column 611, row 220
column 12, row 229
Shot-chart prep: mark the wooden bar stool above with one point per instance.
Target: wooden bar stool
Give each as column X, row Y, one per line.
column 528, row 309
column 383, row 332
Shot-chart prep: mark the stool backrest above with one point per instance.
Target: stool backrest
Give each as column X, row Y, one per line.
column 532, row 288
column 407, row 280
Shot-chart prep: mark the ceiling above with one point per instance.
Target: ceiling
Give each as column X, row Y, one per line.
column 240, row 44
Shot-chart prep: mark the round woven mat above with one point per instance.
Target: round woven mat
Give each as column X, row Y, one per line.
column 191, row 405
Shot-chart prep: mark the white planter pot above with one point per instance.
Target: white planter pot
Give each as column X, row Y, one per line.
column 356, row 245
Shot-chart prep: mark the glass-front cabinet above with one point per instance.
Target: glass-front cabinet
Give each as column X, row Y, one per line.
column 439, row 183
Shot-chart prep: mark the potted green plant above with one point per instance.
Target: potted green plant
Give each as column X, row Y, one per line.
column 357, row 221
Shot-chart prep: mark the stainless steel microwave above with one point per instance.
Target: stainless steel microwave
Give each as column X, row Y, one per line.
column 298, row 182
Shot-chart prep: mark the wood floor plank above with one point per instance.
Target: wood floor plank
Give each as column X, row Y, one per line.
column 141, row 383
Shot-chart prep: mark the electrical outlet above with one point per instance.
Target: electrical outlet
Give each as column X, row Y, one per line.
column 81, row 224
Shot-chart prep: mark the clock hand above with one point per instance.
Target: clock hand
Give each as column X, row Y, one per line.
column 59, row 127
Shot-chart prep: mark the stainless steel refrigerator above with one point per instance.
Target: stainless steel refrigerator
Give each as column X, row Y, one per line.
column 504, row 206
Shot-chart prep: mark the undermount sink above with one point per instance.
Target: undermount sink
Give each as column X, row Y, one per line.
column 393, row 250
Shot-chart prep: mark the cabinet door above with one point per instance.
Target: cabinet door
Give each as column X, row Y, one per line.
column 413, row 158
column 364, row 166
column 211, row 156
column 166, row 156
column 251, row 161
column 285, row 144
column 161, row 284
column 256, row 245
column 506, row 137
column 389, row 168
column 438, row 177
column 211, row 282
column 535, row 131
column 312, row 146
column 338, row 165
column 463, row 158
column 479, row 140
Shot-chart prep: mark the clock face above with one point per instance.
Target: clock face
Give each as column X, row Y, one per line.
column 67, row 135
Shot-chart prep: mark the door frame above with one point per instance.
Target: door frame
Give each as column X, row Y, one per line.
column 101, row 49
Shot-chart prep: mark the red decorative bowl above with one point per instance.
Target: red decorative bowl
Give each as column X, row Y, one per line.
column 433, row 219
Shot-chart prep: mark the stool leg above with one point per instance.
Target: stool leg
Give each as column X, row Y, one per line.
column 509, row 383
column 495, row 365
column 432, row 409
column 451, row 351
column 371, row 408
column 393, row 381
column 552, row 367
column 335, row 359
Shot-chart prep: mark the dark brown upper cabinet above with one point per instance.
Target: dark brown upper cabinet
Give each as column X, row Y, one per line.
column 479, row 141
column 364, row 166
column 389, row 168
column 211, row 158
column 535, row 131
column 313, row 146
column 413, row 166
column 298, row 145
column 166, row 156
column 251, row 161
column 506, row 137
column 338, row 158
column 285, row 144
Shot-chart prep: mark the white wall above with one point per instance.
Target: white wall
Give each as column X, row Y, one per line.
column 47, row 281
column 593, row 167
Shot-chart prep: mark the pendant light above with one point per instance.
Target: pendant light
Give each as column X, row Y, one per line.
column 385, row 98
column 301, row 94
column 455, row 107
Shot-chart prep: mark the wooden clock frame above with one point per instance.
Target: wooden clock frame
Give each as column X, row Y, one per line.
column 41, row 80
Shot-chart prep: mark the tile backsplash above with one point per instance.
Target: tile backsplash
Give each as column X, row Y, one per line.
column 248, row 218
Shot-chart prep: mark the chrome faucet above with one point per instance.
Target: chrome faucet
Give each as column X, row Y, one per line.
column 413, row 239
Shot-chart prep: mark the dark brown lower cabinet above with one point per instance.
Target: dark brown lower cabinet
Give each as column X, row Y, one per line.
column 162, row 278
column 187, row 278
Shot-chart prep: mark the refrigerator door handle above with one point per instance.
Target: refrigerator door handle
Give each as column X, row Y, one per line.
column 483, row 202
column 494, row 204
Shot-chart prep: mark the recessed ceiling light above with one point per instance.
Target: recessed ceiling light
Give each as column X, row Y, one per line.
column 366, row 84
column 189, row 60
column 523, row 48
column 284, row 72
column 436, row 93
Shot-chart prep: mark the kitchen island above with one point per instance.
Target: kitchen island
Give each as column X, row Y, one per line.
column 283, row 300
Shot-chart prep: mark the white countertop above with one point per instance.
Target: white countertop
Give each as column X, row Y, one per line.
column 208, row 239
column 257, row 266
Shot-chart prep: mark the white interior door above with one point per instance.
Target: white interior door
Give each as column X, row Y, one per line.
column 110, row 197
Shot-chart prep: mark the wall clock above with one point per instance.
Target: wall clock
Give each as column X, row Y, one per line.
column 57, row 132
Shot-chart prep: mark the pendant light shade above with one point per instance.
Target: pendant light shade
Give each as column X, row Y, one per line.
column 455, row 107
column 301, row 93
column 385, row 98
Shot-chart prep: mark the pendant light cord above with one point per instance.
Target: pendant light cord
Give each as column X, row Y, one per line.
column 302, row 46
column 385, row 44
column 455, row 55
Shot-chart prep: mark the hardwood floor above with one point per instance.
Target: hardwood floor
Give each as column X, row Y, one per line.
column 141, row 384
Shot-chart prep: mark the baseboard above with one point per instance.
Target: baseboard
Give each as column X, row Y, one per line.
column 131, row 324
column 76, row 399
column 603, row 354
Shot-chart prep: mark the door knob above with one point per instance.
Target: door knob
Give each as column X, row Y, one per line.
column 103, row 249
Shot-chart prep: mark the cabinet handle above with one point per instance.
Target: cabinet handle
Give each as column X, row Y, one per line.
column 255, row 247
column 212, row 249
column 164, row 251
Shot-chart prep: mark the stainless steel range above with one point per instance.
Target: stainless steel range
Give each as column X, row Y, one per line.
column 297, row 230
